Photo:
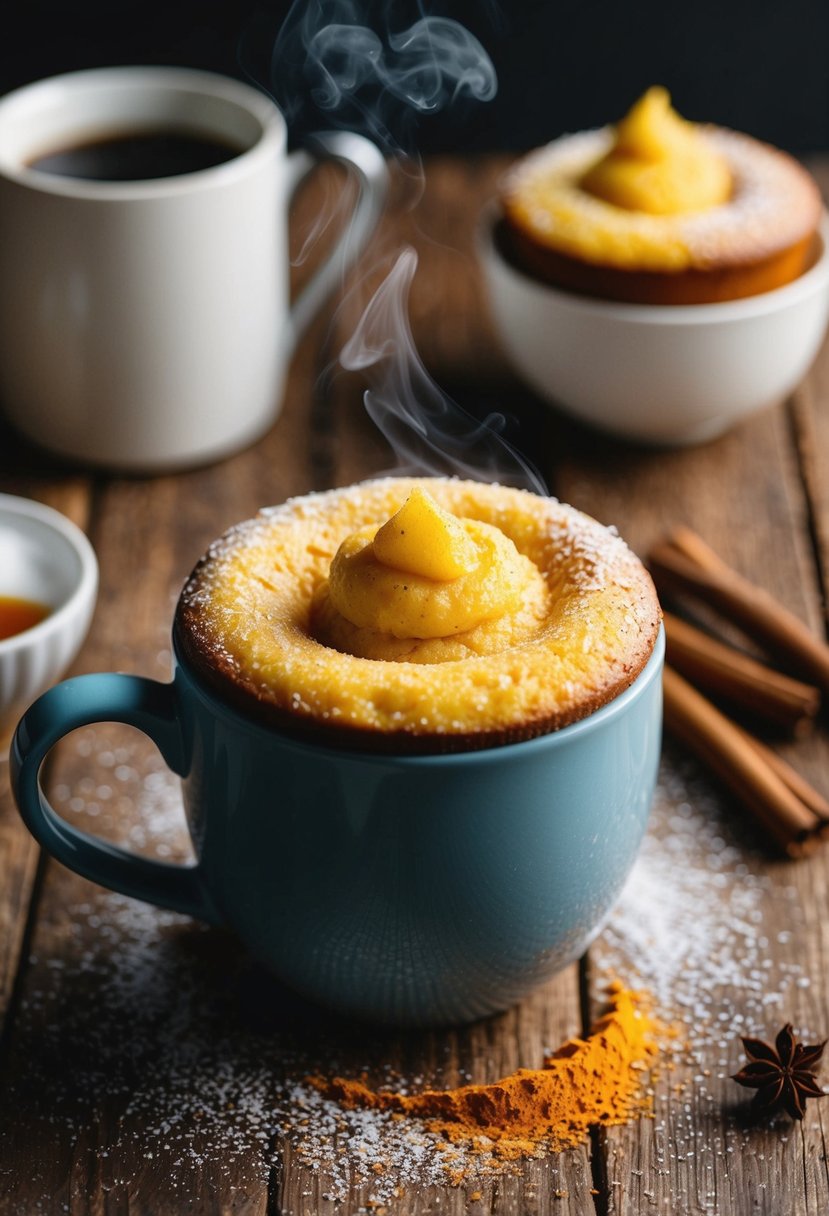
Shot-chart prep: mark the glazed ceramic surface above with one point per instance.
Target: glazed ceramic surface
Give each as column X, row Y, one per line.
column 658, row 374
column 411, row 890
column 162, row 304
column 46, row 559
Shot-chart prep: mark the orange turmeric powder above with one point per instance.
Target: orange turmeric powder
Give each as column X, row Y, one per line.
column 595, row 1080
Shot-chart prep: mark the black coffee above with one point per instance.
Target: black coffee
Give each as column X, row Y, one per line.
column 137, row 156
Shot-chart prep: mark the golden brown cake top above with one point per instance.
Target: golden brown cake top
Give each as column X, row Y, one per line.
column 566, row 621
column 774, row 204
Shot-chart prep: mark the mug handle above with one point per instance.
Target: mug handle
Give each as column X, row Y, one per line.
column 366, row 161
column 108, row 697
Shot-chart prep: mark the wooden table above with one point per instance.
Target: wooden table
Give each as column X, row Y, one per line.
column 144, row 1057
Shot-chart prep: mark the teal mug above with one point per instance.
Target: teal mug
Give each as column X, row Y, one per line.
column 414, row 890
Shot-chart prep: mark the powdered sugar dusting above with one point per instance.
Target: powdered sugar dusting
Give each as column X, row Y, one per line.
column 690, row 921
column 204, row 1057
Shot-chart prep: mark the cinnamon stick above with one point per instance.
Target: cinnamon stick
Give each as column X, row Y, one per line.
column 685, row 562
column 796, row 782
column 721, row 670
column 725, row 748
column 696, row 549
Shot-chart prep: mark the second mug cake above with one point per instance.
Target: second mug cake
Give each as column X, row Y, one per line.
column 659, row 210
column 660, row 279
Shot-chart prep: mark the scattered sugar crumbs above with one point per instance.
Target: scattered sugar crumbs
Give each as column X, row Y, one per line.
column 169, row 1025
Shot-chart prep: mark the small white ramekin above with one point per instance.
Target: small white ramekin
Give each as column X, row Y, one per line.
column 659, row 374
column 43, row 557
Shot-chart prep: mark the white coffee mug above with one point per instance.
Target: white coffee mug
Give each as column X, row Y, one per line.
column 145, row 325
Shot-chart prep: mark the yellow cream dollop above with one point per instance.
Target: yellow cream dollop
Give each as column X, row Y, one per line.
column 422, row 538
column 425, row 573
column 659, row 163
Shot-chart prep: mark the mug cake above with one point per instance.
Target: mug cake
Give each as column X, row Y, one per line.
column 419, row 615
column 657, row 210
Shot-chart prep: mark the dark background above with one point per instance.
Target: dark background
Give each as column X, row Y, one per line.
column 761, row 67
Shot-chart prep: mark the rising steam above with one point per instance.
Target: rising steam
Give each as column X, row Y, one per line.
column 426, row 66
column 330, row 63
column 428, row 432
column 327, row 53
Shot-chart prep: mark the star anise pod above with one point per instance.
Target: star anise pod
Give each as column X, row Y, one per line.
column 783, row 1075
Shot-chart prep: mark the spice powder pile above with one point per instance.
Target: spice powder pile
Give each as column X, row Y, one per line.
column 585, row 1082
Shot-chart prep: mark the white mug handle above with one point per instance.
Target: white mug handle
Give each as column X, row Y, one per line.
column 366, row 161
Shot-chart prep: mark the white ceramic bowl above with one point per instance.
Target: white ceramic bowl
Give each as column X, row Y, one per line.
column 43, row 557
column 669, row 374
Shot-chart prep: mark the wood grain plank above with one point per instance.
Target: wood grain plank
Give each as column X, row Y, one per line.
column 87, row 1114
column 810, row 421
column 106, row 973
column 139, row 1033
column 452, row 333
column 745, row 495
column 18, row 852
